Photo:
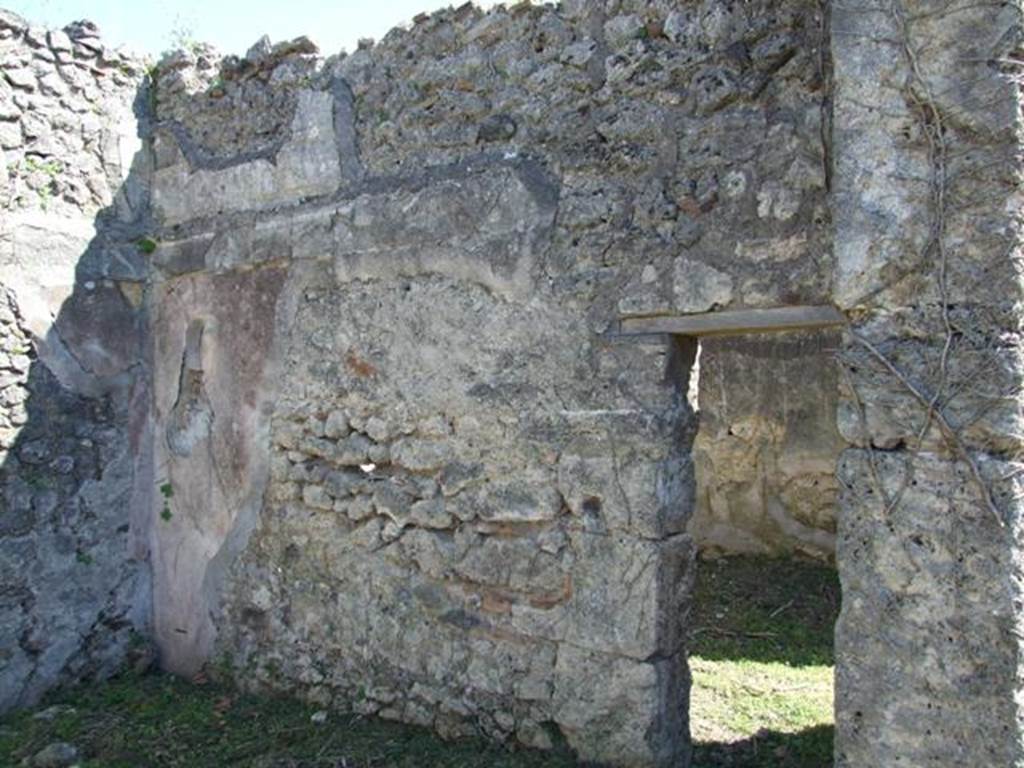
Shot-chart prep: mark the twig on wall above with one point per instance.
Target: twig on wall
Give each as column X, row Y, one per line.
column 951, row 435
column 968, row 331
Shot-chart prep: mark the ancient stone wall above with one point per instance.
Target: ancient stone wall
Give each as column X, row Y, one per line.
column 927, row 206
column 421, row 472
column 73, row 584
column 342, row 350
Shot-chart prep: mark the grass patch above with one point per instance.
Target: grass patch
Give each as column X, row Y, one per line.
column 761, row 658
column 763, row 663
column 159, row 720
column 761, row 609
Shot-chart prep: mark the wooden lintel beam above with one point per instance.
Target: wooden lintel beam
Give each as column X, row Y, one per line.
column 736, row 321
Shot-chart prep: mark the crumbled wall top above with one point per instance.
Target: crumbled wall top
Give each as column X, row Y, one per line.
column 205, row 93
column 562, row 73
column 65, row 98
column 689, row 141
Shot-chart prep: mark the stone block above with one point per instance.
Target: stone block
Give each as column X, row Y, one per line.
column 306, row 166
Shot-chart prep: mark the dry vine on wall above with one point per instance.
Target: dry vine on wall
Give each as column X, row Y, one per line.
column 952, row 347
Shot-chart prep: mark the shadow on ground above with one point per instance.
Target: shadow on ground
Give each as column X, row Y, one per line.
column 810, row 748
column 160, row 721
column 763, row 661
column 765, row 610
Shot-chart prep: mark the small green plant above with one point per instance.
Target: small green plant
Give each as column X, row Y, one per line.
column 152, row 72
column 167, row 491
column 83, row 558
column 224, row 668
column 146, row 245
column 45, row 197
column 50, row 167
column 271, row 668
column 182, row 36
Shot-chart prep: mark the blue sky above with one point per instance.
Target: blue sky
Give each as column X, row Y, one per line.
column 151, row 26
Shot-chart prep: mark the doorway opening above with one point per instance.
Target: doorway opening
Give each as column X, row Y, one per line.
column 767, row 596
column 761, row 645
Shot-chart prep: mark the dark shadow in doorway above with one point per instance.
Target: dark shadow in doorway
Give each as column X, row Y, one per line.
column 810, row 748
column 763, row 609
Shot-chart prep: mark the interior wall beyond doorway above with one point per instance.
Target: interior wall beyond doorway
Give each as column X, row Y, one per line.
column 767, row 446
